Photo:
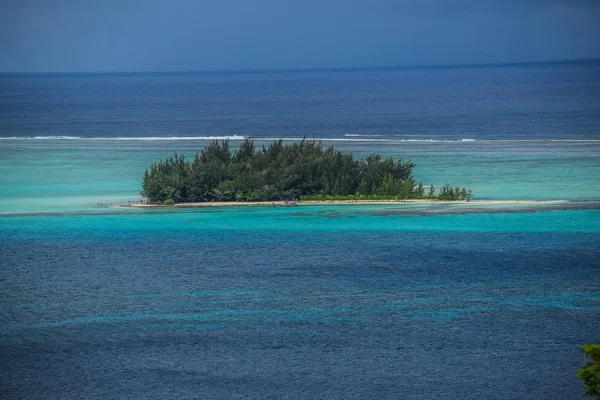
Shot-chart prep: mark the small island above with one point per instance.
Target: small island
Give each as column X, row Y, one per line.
column 303, row 170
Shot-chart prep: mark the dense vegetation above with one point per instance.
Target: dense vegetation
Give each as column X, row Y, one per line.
column 301, row 170
column 590, row 373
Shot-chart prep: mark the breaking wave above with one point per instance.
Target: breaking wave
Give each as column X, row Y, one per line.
column 41, row 138
column 234, row 137
column 359, row 135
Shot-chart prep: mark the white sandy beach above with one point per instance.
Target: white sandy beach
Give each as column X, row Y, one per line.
column 337, row 202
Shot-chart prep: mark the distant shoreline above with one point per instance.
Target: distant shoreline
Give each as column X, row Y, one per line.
column 216, row 204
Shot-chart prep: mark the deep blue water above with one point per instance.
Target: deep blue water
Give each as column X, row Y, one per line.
column 273, row 303
column 548, row 101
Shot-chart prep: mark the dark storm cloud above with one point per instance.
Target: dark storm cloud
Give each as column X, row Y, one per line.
column 66, row 35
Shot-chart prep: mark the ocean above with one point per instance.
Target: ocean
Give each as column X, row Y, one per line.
column 543, row 101
column 409, row 301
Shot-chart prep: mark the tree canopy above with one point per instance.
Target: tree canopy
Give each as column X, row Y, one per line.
column 300, row 170
column 590, row 373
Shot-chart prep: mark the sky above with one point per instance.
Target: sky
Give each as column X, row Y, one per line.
column 199, row 35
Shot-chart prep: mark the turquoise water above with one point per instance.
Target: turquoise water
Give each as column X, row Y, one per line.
column 76, row 175
column 304, row 220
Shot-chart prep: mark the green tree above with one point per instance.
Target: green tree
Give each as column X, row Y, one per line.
column 431, row 192
column 446, row 192
column 245, row 152
column 282, row 172
column 225, row 191
column 590, row 373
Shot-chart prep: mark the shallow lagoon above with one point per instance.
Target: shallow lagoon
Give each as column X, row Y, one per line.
column 75, row 175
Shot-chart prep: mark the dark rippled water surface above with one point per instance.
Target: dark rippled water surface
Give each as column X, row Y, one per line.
column 547, row 101
column 271, row 304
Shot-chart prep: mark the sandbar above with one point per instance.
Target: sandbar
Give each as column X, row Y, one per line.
column 336, row 202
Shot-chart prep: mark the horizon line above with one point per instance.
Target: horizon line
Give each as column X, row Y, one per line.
column 322, row 69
